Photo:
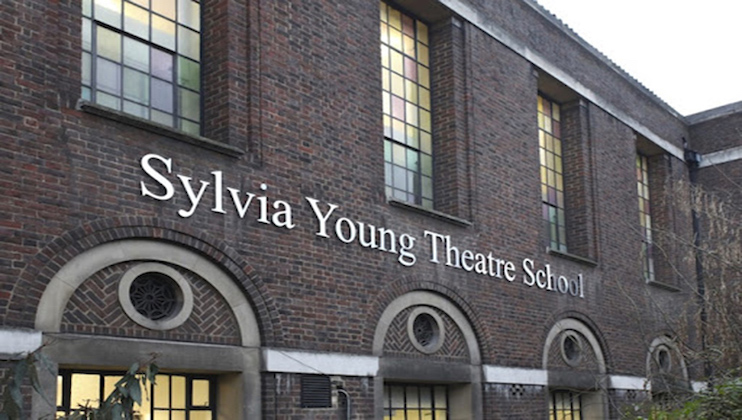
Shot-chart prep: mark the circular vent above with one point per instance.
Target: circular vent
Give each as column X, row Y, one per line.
column 425, row 330
column 155, row 296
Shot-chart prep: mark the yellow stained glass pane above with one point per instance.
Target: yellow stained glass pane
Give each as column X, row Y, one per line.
column 425, row 120
column 398, row 85
column 178, row 385
column 385, row 56
column 200, row 395
column 162, row 392
column 422, row 33
column 426, row 142
column 397, row 62
column 410, row 89
column 425, row 98
column 178, row 415
column 386, row 83
column 409, row 46
column 557, row 146
column 411, row 114
column 540, row 117
column 162, row 415
column 163, row 32
column 387, row 102
column 423, row 75
column 200, row 415
column 395, row 39
column 541, row 139
column 395, row 18
column 85, row 390
column 422, row 54
column 383, row 15
column 384, row 33
column 60, row 380
column 555, row 112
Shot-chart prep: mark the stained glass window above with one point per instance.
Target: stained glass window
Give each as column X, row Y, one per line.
column 552, row 178
column 405, row 74
column 645, row 216
column 143, row 57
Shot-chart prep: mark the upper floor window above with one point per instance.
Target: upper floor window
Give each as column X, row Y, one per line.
column 143, row 57
column 552, row 178
column 645, row 216
column 408, row 143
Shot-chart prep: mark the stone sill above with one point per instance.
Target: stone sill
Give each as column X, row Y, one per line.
column 428, row 212
column 573, row 257
column 662, row 285
column 156, row 128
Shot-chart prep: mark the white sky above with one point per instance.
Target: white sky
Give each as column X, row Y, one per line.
column 685, row 51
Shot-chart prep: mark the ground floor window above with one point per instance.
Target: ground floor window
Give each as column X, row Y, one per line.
column 415, row 402
column 565, row 405
column 173, row 397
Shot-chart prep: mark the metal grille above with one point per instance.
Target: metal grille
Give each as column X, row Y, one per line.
column 315, row 391
column 424, row 328
column 154, row 296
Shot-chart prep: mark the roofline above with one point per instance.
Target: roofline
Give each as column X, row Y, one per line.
column 487, row 26
column 713, row 113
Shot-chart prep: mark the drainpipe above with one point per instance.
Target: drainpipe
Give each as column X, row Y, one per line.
column 693, row 159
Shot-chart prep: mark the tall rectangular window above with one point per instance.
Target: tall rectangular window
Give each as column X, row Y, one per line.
column 645, row 216
column 408, row 143
column 406, row 402
column 143, row 57
column 552, row 178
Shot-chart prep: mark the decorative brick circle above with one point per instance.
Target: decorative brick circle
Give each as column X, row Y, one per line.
column 425, row 329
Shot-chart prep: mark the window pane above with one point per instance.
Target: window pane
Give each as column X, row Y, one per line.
column 200, row 415
column 189, row 14
column 163, row 32
column 86, row 68
column 85, row 390
column 162, row 95
column 109, row 44
column 162, row 64
column 189, row 43
column 190, row 127
column 162, row 391
column 189, row 73
column 178, row 385
column 136, row 21
column 108, row 11
column 136, row 86
column 189, row 104
column 200, row 392
column 136, row 54
column 165, row 8
column 87, row 32
column 108, row 76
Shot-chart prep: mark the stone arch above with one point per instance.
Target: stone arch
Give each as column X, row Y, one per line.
column 428, row 299
column 658, row 380
column 574, row 324
column 61, row 251
column 64, row 283
column 408, row 284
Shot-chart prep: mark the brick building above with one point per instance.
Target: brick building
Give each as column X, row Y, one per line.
column 309, row 209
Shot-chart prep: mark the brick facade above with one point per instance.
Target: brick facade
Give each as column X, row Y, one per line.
column 291, row 113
